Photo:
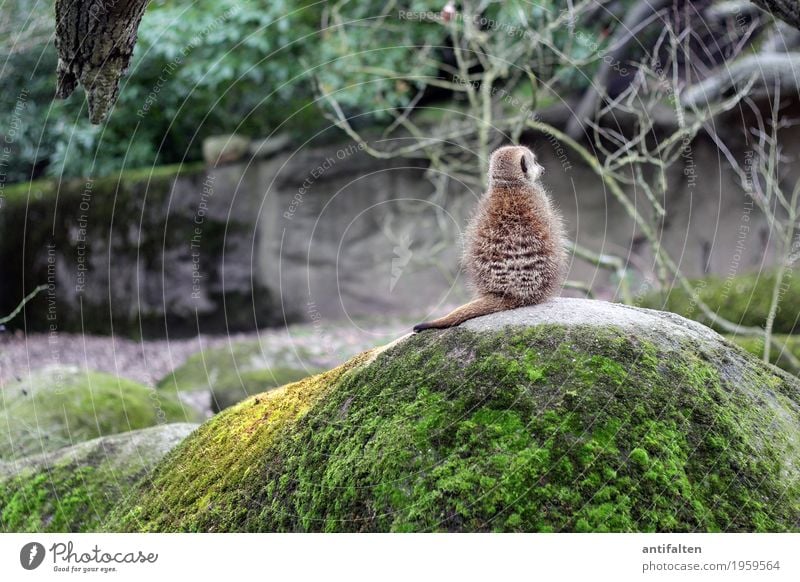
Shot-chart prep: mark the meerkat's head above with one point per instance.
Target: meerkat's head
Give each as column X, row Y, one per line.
column 514, row 164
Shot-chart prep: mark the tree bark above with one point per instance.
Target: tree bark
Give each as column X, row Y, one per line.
column 95, row 41
column 762, row 69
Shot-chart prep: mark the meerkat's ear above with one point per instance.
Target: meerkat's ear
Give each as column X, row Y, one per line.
column 523, row 164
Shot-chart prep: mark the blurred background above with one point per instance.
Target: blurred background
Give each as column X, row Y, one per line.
column 283, row 184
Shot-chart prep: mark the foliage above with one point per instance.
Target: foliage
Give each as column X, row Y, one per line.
column 199, row 69
column 364, row 44
column 218, row 66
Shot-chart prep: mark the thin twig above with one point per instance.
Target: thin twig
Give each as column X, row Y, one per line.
column 19, row 308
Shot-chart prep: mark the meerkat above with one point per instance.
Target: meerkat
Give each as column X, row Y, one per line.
column 514, row 252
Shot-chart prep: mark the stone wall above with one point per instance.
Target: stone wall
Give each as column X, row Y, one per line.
column 136, row 254
column 319, row 233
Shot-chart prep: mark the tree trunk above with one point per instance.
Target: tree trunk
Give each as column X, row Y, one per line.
column 763, row 70
column 95, row 40
column 786, row 10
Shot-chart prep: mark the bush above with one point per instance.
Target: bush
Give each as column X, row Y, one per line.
column 743, row 300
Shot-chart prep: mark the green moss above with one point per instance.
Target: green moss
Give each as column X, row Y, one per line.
column 755, row 346
column 48, row 188
column 74, row 488
column 640, row 457
column 62, row 407
column 744, row 299
column 241, row 435
column 232, row 373
column 536, row 429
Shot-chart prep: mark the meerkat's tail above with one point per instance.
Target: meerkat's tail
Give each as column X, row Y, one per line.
column 481, row 306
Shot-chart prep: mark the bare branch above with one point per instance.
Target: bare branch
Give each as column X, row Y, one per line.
column 763, row 69
column 639, row 17
column 786, row 10
column 22, row 304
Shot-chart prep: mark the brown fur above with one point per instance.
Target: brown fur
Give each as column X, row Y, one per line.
column 514, row 253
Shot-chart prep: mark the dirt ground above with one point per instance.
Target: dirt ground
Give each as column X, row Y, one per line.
column 147, row 361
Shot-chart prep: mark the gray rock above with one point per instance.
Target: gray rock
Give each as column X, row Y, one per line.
column 73, row 488
column 224, row 149
column 647, row 323
column 659, row 327
column 62, row 406
column 217, row 378
column 268, row 147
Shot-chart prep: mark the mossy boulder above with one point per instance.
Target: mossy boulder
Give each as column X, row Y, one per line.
column 226, row 375
column 72, row 489
column 744, row 299
column 64, row 406
column 575, row 415
column 790, row 344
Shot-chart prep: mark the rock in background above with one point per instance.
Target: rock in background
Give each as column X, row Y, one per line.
column 217, row 378
column 137, row 254
column 72, row 489
column 63, row 406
